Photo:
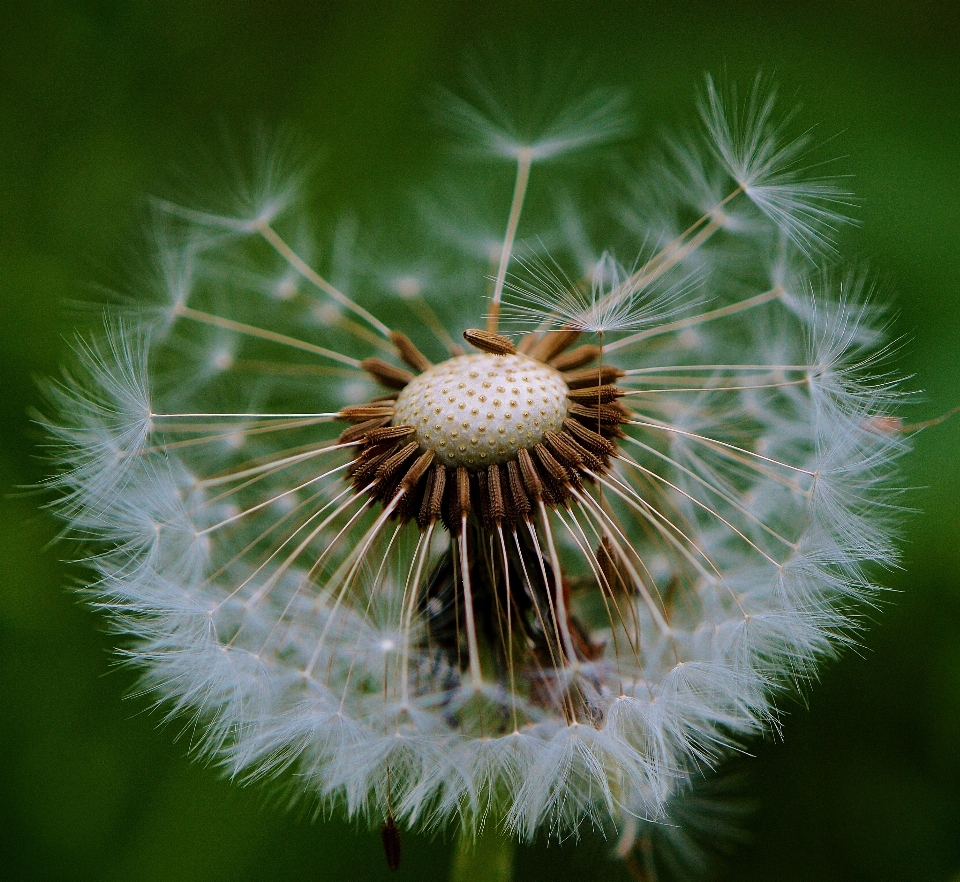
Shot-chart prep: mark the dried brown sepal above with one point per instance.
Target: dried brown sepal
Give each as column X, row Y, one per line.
column 510, row 513
column 595, row 376
column 417, row 470
column 358, row 413
column 451, row 507
column 364, row 467
column 487, row 341
column 559, row 475
column 549, row 482
column 604, row 414
column 571, row 454
column 463, row 491
column 409, row 353
column 589, row 438
column 531, row 478
column 386, row 489
column 576, row 358
column 596, row 394
column 395, row 462
column 361, row 430
column 495, row 494
column 484, row 496
column 388, row 374
column 431, row 509
column 518, row 493
column 590, row 460
column 551, row 344
column 369, row 452
column 389, row 433
column 558, row 448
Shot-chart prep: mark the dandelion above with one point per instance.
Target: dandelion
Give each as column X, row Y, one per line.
column 538, row 582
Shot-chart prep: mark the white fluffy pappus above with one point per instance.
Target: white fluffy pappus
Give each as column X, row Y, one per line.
column 436, row 622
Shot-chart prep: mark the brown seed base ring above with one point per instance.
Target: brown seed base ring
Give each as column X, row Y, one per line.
column 392, row 467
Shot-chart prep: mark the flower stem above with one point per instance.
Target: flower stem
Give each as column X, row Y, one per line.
column 486, row 858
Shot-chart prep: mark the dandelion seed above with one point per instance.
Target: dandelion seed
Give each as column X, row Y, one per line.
column 610, row 299
column 536, row 581
column 747, row 138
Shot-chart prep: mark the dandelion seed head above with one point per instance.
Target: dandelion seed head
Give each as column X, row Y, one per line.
column 482, row 409
column 453, row 575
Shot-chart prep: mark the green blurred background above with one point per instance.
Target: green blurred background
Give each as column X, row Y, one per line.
column 100, row 99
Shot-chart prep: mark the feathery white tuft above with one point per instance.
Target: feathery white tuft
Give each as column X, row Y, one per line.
column 749, row 138
column 655, row 613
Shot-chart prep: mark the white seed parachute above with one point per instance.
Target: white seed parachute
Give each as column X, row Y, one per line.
column 659, row 509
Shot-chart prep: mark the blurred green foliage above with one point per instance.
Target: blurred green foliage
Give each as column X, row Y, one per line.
column 100, row 99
